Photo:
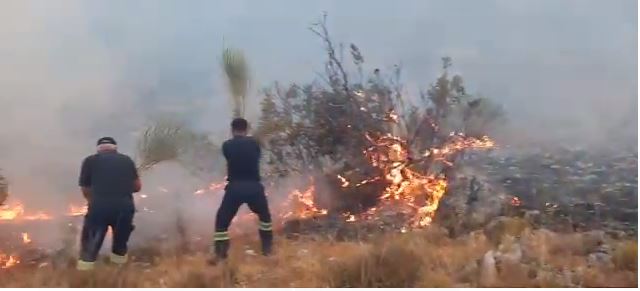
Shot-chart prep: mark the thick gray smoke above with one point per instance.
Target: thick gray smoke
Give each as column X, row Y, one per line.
column 72, row 71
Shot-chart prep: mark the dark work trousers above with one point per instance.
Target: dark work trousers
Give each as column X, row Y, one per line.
column 96, row 224
column 236, row 194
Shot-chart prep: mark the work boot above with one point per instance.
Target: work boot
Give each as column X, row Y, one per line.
column 266, row 239
column 118, row 260
column 267, row 250
column 84, row 265
column 220, row 251
column 214, row 260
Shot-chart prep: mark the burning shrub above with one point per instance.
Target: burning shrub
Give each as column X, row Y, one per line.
column 381, row 145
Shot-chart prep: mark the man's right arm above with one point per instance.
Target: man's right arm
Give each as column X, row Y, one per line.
column 137, row 184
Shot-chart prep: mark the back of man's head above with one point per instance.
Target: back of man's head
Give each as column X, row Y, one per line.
column 239, row 126
column 106, row 143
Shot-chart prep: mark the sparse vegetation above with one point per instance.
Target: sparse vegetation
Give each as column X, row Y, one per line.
column 4, row 189
column 427, row 258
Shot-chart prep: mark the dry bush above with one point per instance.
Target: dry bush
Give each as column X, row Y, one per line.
column 594, row 278
column 163, row 140
column 625, row 256
column 502, row 227
column 192, row 272
column 514, row 275
column 435, row 279
column 295, row 264
column 383, row 265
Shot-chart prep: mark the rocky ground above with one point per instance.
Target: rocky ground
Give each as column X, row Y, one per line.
column 582, row 189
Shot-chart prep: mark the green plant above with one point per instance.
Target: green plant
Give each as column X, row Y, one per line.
column 237, row 71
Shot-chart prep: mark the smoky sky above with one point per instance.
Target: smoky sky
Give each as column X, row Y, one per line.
column 72, row 71
column 548, row 62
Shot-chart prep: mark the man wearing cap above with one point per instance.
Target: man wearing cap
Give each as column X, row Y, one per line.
column 108, row 180
column 242, row 153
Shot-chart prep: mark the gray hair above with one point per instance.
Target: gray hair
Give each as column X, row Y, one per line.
column 107, row 147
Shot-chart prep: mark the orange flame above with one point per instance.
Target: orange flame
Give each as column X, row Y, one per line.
column 515, row 201
column 38, row 216
column 25, row 238
column 303, row 204
column 8, row 261
column 11, row 213
column 215, row 186
column 75, row 210
column 18, row 212
column 344, row 181
column 422, row 192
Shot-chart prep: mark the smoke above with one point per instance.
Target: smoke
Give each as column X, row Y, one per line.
column 73, row 71
column 58, row 93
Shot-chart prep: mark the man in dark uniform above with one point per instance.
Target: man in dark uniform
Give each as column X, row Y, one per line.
column 108, row 180
column 244, row 186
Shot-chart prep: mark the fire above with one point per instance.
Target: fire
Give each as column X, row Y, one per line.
column 409, row 182
column 303, row 204
column 77, row 210
column 213, row 187
column 8, row 261
column 391, row 116
column 18, row 212
column 421, row 192
column 217, row 186
column 457, row 143
column 344, row 181
column 25, row 238
column 515, row 201
column 38, row 216
column 11, row 213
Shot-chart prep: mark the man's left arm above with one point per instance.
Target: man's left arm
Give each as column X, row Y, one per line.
column 85, row 178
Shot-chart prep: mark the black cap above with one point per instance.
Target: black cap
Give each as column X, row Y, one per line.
column 239, row 124
column 107, row 140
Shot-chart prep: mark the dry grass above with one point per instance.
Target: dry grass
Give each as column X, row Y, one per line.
column 426, row 258
column 626, row 256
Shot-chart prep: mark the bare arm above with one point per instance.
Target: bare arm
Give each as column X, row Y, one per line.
column 137, row 185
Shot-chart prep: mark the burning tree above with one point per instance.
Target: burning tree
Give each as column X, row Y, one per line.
column 368, row 141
